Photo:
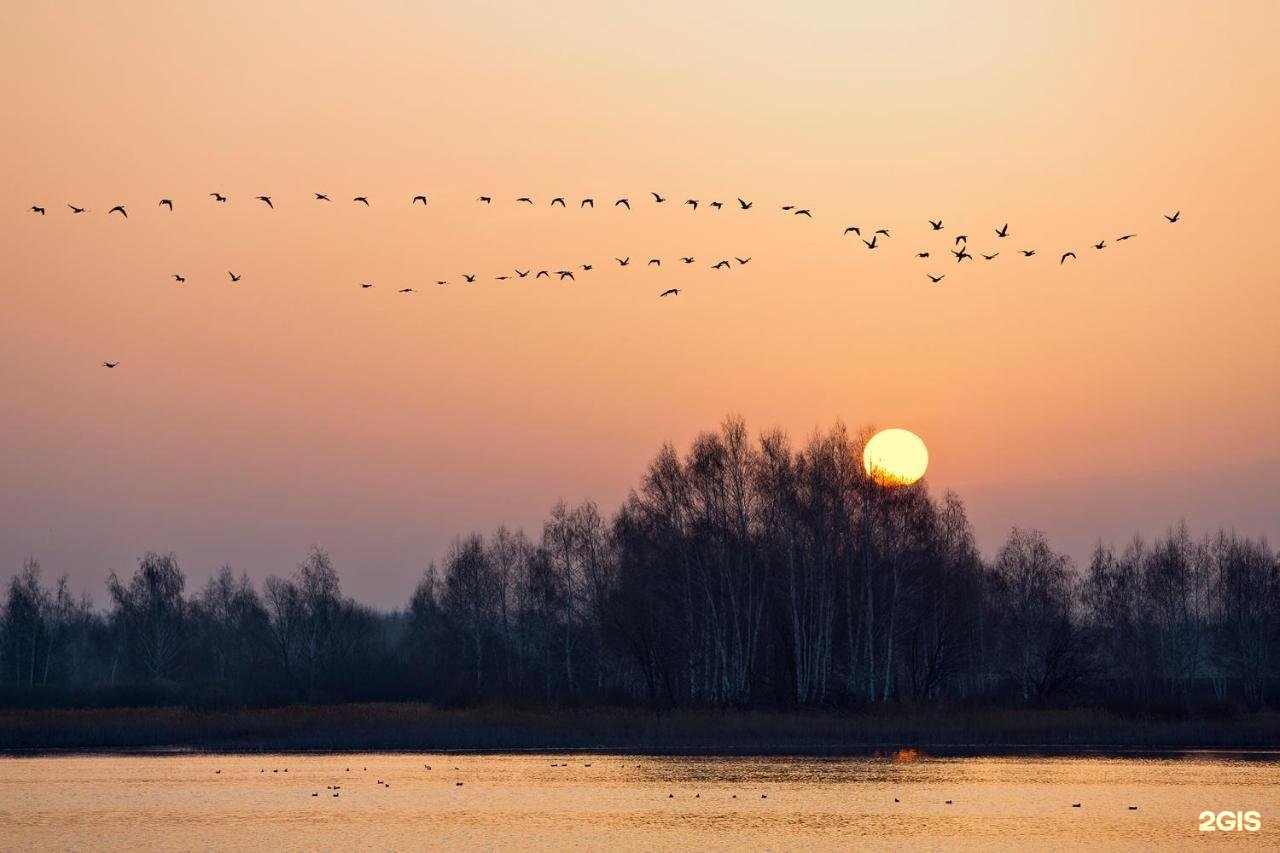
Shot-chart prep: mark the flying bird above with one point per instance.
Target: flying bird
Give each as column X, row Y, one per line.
column 1177, row 214
column 1101, row 244
column 724, row 264
column 179, row 279
column 788, row 207
column 804, row 212
column 694, row 202
column 741, row 261
column 1126, row 237
column 366, row 286
column 543, row 274
column 655, row 262
column 855, row 229
column 687, row 259
column 110, row 363
column 990, row 257
column 266, row 199
column 501, row 277
column 936, row 278
column 961, row 238
column 362, row 200
column 922, row 254
column 167, row 203
column 962, row 254
column 1026, row 253
column 1003, row 231
column 470, row 278
column 624, row 202
column 884, row 231
column 118, row 207
column 37, row 209
column 218, row 197
column 406, row 290
column 75, row 209
column 588, row 202
column 717, row 204
column 937, row 226
column 234, row 277
column 565, row 274
column 523, row 274
column 745, row 205
column 657, row 198
column 587, row 267
column 557, row 200
column 675, row 291
column 419, row 198
column 871, row 244
column 1064, row 257
column 484, row 199
column 525, row 199
column 322, row 197
column 622, row 262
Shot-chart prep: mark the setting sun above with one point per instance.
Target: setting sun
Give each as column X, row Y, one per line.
column 895, row 457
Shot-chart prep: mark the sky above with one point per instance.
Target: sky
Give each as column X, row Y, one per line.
column 1094, row 399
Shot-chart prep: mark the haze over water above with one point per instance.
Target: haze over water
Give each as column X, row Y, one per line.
column 622, row 802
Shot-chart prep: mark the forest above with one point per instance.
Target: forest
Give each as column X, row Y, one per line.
column 746, row 572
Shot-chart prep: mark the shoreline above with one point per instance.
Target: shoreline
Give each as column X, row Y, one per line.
column 411, row 727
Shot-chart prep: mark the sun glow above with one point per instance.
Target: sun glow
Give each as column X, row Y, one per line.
column 895, row 457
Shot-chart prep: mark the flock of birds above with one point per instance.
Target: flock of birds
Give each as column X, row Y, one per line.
column 959, row 248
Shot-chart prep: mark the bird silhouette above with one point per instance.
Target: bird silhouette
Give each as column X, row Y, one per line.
column 419, row 198
column 694, row 202
column 119, row 208
column 322, row 197
column 716, row 204
column 674, row 291
column 624, row 202
column 543, row 274
column 234, row 277
column 501, row 277
column 110, row 363
column 167, row 203
column 442, row 283
column 788, row 207
column 936, row 278
column 266, row 199
column 523, row 274
column 406, row 290
column 741, row 261
column 657, row 198
column 565, row 274
column 587, row 267
column 1003, row 231
column 366, row 286
column 871, row 244
column 990, row 257
column 75, row 209
column 962, row 255
column 724, row 264
column 1177, row 214
column 525, row 199
column 179, row 278
column 1075, row 805
column 1064, row 257
column 557, row 200
column 804, row 212
column 884, row 231
column 470, row 278
column 960, row 238
column 654, row 262
column 744, row 205
column 218, row 197
column 687, row 259
column 362, row 200
column 1026, row 253
column 1126, row 237
column 622, row 262
column 484, row 199
column 937, row 225
column 588, row 202
column 1101, row 244
column 855, row 229
column 922, row 254
column 37, row 209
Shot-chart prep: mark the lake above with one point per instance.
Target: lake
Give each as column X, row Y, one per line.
column 404, row 801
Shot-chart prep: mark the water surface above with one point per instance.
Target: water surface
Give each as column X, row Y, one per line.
column 576, row 801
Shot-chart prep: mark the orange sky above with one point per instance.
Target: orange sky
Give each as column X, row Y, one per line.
column 246, row 422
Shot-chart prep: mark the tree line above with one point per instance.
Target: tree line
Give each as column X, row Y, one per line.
column 742, row 573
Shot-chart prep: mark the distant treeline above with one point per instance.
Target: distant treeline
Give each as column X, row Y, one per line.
column 741, row 574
